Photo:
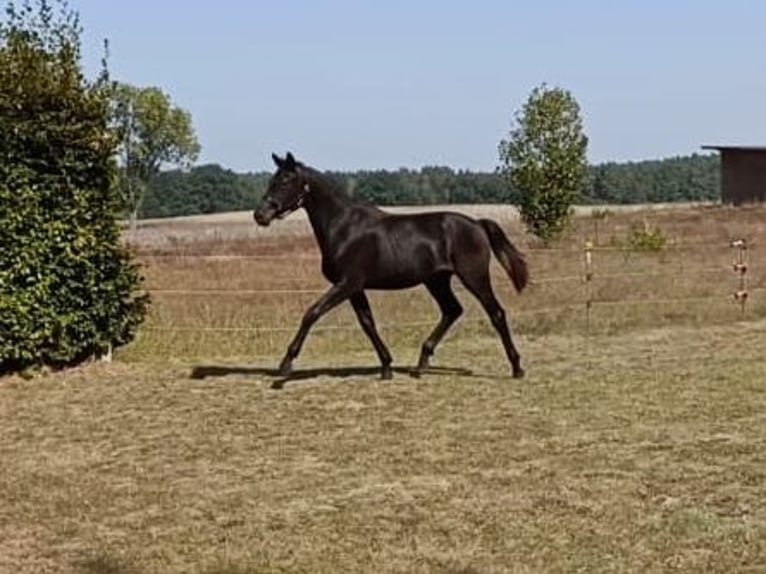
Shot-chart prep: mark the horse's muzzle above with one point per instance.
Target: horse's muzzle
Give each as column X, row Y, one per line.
column 264, row 215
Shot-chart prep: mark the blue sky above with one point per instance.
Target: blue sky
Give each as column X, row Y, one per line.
column 394, row 83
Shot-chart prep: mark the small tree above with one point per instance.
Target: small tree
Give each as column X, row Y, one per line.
column 68, row 289
column 151, row 132
column 544, row 160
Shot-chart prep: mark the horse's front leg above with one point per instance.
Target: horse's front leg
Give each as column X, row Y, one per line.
column 332, row 298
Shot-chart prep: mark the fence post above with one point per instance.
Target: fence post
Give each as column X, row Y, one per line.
column 107, row 356
column 588, row 278
column 740, row 267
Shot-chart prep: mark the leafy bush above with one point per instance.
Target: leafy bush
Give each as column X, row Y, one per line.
column 647, row 238
column 67, row 285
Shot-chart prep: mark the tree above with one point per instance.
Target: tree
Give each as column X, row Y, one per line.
column 544, row 160
column 68, row 288
column 152, row 132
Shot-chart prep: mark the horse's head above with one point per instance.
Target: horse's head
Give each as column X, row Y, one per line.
column 286, row 191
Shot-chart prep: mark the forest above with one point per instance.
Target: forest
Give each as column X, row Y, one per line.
column 212, row 188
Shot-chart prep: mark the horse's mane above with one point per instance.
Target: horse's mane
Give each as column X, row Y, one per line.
column 330, row 181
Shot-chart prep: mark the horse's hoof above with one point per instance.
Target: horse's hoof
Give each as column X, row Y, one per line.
column 285, row 370
column 518, row 373
column 415, row 373
column 386, row 374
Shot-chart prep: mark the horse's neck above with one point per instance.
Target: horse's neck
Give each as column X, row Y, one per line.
column 325, row 206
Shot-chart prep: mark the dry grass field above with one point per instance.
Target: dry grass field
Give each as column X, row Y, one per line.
column 244, row 298
column 638, row 445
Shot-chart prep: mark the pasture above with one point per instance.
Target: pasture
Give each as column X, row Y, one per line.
column 636, row 443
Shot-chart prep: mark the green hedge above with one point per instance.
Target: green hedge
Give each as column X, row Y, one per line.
column 68, row 288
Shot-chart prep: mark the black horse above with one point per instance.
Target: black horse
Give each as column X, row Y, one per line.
column 364, row 247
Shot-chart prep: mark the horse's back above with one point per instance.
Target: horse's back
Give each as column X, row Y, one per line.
column 393, row 251
column 454, row 232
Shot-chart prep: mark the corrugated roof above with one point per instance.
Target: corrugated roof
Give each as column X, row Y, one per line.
column 736, row 147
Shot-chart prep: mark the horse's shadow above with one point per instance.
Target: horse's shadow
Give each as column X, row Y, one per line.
column 207, row 371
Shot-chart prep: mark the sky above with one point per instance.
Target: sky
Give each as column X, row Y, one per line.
column 384, row 84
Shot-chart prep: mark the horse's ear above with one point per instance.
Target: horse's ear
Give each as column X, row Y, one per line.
column 290, row 161
column 279, row 162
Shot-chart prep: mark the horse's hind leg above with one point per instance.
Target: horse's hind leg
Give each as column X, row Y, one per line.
column 364, row 314
column 477, row 281
column 440, row 289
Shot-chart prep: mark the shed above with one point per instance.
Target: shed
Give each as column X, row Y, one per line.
column 743, row 173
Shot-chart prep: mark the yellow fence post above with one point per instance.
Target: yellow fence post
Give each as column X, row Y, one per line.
column 740, row 267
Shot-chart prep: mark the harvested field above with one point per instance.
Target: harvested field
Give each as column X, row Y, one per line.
column 638, row 445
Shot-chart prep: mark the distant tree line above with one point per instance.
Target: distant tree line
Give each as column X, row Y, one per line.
column 212, row 188
column 202, row 189
column 688, row 178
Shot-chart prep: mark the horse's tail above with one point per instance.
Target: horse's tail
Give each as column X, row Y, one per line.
column 509, row 257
